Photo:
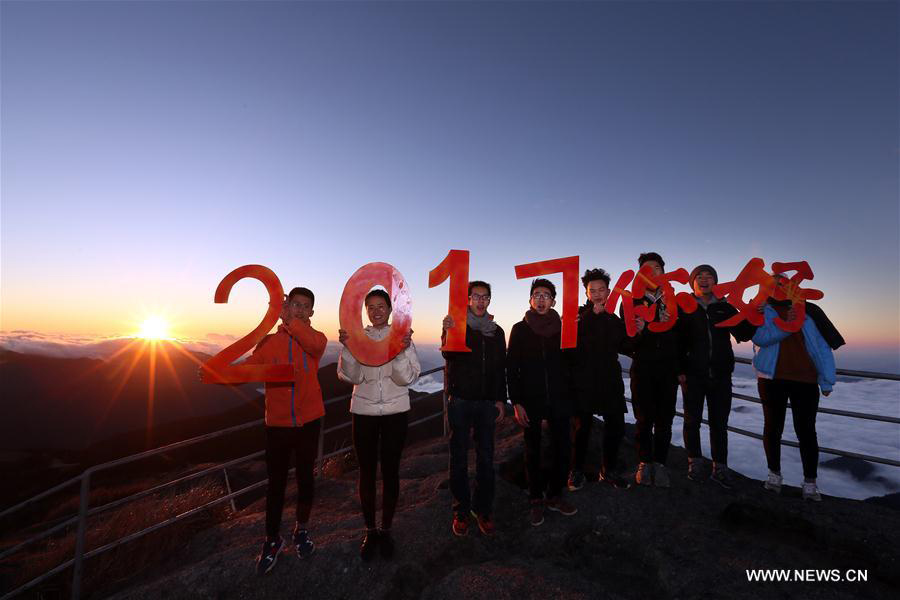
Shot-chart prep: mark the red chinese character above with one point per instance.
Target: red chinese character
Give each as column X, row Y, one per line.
column 627, row 305
column 646, row 279
column 752, row 274
column 789, row 289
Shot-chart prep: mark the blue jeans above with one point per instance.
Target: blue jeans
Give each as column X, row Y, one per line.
column 475, row 418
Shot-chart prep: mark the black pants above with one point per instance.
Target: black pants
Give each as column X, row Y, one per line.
column 381, row 437
column 653, row 394
column 717, row 393
column 613, row 431
column 559, row 453
column 281, row 442
column 804, row 398
column 475, row 419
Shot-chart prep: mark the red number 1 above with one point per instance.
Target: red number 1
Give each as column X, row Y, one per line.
column 455, row 266
column 569, row 268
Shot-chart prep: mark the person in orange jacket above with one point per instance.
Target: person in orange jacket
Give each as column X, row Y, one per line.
column 294, row 411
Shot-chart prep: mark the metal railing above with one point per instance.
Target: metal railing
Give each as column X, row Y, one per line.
column 85, row 481
column 825, row 410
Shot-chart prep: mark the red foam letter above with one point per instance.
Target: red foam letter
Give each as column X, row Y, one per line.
column 569, row 268
column 455, row 266
column 219, row 369
column 366, row 350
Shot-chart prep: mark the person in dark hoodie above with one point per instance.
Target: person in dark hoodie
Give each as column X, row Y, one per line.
column 537, row 380
column 597, row 380
column 654, row 383
column 476, row 387
column 707, row 361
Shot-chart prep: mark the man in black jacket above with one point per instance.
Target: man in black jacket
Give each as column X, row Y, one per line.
column 655, row 373
column 476, row 386
column 537, row 378
column 597, row 380
column 707, row 360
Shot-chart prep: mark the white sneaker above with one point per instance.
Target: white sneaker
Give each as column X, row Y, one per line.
column 661, row 476
column 811, row 492
column 773, row 483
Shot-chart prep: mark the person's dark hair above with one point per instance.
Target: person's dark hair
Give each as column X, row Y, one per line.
column 544, row 283
column 377, row 293
column 651, row 256
column 595, row 275
column 479, row 283
column 302, row 291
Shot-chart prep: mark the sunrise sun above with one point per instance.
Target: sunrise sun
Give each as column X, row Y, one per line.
column 154, row 328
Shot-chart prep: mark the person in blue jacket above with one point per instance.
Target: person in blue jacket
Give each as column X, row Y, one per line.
column 793, row 366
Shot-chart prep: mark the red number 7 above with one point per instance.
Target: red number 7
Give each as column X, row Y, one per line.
column 569, row 268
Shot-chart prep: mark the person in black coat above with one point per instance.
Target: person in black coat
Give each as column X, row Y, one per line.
column 476, row 388
column 537, row 380
column 655, row 373
column 597, row 382
column 707, row 361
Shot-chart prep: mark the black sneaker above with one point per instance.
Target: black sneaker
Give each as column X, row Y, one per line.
column 268, row 556
column 302, row 544
column 614, row 480
column 369, row 545
column 386, row 543
column 576, row 480
column 722, row 476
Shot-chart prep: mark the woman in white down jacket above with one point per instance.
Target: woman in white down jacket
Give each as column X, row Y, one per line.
column 379, row 409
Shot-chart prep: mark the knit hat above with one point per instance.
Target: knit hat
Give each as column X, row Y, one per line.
column 699, row 269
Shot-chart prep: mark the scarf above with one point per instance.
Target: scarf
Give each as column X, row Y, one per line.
column 544, row 325
column 485, row 324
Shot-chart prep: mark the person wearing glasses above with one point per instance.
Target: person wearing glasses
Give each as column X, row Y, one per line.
column 476, row 387
column 294, row 411
column 379, row 410
column 537, row 380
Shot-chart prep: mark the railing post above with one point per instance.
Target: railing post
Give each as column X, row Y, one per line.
column 228, row 489
column 79, row 538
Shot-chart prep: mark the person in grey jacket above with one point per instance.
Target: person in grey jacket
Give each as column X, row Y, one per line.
column 379, row 409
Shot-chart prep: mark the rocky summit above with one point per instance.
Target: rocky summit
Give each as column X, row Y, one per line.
column 693, row 540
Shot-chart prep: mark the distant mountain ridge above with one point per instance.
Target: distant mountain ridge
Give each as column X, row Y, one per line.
column 73, row 403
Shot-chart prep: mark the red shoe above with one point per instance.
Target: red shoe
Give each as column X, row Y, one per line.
column 460, row 525
column 485, row 524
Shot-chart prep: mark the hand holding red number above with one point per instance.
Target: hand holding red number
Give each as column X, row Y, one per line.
column 365, row 350
column 569, row 268
column 343, row 336
column 407, row 339
column 447, row 323
column 455, row 266
column 219, row 368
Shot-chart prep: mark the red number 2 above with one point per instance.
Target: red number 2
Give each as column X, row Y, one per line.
column 219, row 369
column 455, row 266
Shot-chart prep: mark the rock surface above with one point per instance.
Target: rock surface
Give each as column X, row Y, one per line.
column 694, row 540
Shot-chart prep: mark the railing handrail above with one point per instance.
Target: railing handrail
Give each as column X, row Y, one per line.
column 848, row 372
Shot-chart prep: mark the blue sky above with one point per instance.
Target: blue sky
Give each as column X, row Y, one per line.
column 148, row 148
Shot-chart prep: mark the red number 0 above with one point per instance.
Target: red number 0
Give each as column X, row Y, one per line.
column 219, row 369
column 455, row 266
column 366, row 350
column 569, row 268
